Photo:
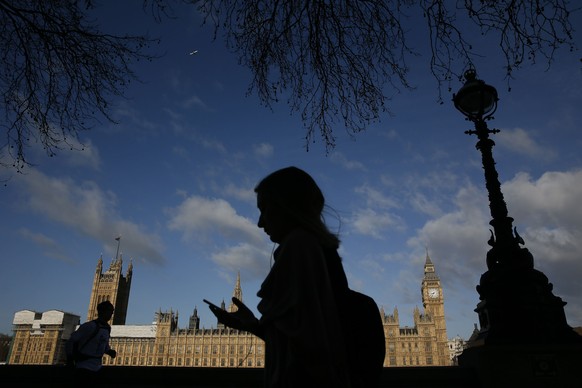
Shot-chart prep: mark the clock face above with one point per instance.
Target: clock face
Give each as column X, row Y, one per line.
column 433, row 292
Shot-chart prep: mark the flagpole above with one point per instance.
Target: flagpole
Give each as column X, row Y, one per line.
column 118, row 243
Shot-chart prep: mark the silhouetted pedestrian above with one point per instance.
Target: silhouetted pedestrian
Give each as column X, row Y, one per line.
column 88, row 344
column 303, row 295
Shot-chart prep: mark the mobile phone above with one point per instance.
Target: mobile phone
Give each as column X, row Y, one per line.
column 210, row 303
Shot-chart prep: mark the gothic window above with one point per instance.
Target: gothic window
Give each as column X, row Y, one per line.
column 429, row 360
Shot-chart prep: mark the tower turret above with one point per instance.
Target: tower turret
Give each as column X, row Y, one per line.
column 111, row 286
column 433, row 302
column 237, row 293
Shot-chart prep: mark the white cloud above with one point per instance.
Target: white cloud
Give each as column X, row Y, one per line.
column 374, row 198
column 423, row 204
column 521, row 142
column 350, row 165
column 195, row 101
column 373, row 223
column 89, row 210
column 553, row 199
column 199, row 217
column 547, row 215
column 213, row 145
column 241, row 193
column 246, row 258
column 245, row 248
column 263, row 150
column 83, row 154
column 458, row 238
column 129, row 117
column 73, row 152
column 374, row 219
column 50, row 247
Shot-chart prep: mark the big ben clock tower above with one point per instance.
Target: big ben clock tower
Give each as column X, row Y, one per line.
column 434, row 305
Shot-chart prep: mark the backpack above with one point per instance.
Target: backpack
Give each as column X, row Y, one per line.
column 78, row 346
column 362, row 327
column 364, row 337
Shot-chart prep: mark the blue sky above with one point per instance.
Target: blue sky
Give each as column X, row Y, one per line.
column 175, row 179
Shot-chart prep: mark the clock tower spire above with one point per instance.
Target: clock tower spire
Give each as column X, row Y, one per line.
column 433, row 302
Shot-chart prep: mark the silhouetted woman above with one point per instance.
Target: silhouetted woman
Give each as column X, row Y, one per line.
column 301, row 296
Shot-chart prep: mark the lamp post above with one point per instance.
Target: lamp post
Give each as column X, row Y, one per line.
column 516, row 305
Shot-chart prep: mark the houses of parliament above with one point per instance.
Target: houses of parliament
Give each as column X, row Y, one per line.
column 39, row 338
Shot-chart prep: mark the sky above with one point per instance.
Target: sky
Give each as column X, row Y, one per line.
column 175, row 177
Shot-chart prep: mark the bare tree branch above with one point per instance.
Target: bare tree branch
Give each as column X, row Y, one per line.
column 341, row 61
column 59, row 74
column 336, row 63
column 328, row 66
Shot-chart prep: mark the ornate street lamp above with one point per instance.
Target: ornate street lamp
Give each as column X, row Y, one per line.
column 516, row 305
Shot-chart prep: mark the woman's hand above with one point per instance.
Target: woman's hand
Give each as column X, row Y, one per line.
column 242, row 319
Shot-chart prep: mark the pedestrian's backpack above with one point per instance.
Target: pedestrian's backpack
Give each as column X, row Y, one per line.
column 77, row 347
column 362, row 328
column 364, row 336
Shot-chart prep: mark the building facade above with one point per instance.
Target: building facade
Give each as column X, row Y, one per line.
column 112, row 286
column 456, row 347
column 425, row 343
column 39, row 338
column 163, row 343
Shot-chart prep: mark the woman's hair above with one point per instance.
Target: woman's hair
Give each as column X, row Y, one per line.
column 295, row 192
